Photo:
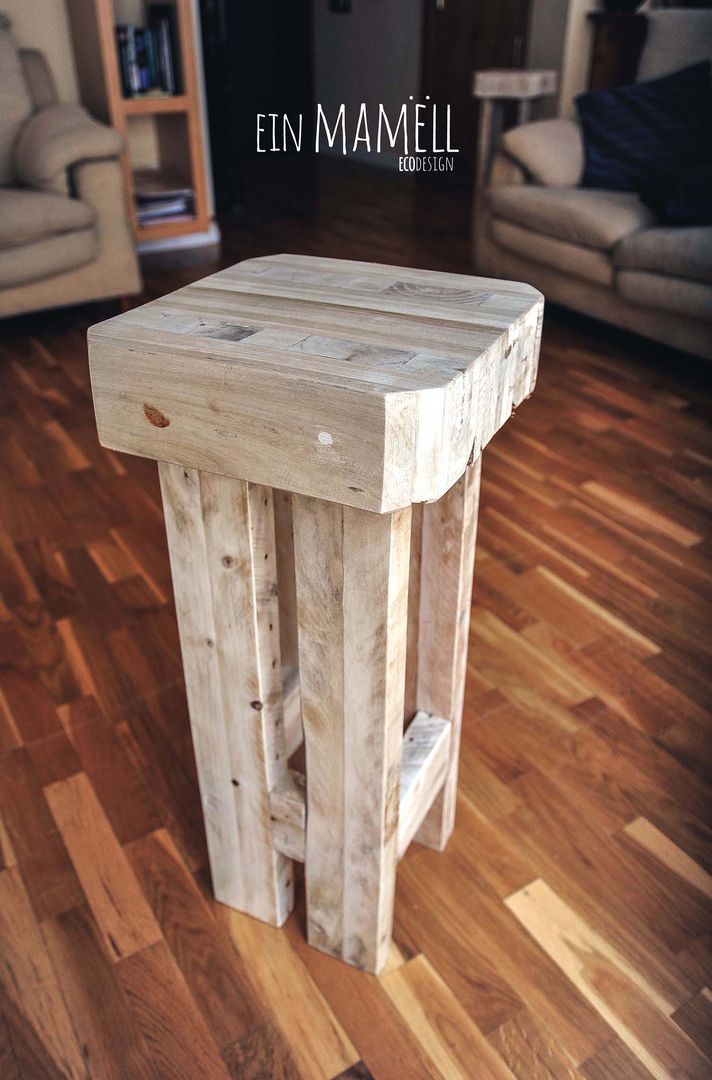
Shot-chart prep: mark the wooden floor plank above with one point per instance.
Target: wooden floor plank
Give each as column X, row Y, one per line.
column 449, row 1038
column 531, row 1051
column 388, row 1047
column 123, row 915
column 695, row 1018
column 465, row 929
column 651, row 839
column 106, row 1027
column 630, row 1005
column 41, row 1033
column 211, row 966
column 179, row 1041
column 289, row 994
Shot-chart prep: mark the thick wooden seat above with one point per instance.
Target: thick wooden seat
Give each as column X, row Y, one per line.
column 371, row 386
column 305, row 413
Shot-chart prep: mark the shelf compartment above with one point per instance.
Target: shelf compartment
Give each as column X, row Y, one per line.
column 150, row 106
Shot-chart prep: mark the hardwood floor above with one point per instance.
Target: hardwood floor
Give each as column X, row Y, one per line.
column 564, row 934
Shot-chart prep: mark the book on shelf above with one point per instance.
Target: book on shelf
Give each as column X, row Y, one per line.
column 160, row 195
column 147, row 55
column 158, row 209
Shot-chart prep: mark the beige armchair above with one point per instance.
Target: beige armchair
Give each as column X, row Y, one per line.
column 65, row 236
column 600, row 252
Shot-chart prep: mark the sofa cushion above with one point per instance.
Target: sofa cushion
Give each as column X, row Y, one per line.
column 692, row 299
column 15, row 98
column 673, row 39
column 598, row 219
column 682, row 253
column 45, row 258
column 26, row 216
column 551, row 151
column 575, row 259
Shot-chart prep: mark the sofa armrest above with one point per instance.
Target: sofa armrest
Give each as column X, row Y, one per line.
column 505, row 171
column 550, row 151
column 58, row 137
column 101, row 185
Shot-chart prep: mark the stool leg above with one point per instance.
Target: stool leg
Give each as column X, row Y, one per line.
column 447, row 564
column 352, row 586
column 221, row 541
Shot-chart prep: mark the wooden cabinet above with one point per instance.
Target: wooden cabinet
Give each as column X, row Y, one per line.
column 618, row 40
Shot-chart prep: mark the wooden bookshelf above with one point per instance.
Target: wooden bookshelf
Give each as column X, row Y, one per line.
column 178, row 135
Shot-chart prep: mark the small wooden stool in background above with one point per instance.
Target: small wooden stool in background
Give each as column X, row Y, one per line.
column 342, row 400
column 494, row 88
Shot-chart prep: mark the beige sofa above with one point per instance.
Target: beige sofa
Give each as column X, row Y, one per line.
column 601, row 252
column 65, row 236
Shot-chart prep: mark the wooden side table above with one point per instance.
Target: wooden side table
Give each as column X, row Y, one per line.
column 340, row 394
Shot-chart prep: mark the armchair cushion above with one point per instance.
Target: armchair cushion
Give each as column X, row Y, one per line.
column 56, row 138
column 27, row 216
column 596, row 219
column 551, row 151
column 46, row 258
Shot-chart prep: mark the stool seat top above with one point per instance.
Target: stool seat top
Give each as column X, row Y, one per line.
column 365, row 384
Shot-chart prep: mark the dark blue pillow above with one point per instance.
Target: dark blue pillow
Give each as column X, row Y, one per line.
column 649, row 136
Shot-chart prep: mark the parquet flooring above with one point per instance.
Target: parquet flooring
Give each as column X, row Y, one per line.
column 565, row 933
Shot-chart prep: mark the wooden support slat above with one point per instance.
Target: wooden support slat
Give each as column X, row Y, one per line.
column 411, row 664
column 284, row 539
column 222, row 549
column 352, row 586
column 288, row 811
column 424, row 762
column 292, row 708
column 447, row 565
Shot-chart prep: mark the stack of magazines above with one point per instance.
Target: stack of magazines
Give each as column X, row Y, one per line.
column 147, row 54
column 159, row 196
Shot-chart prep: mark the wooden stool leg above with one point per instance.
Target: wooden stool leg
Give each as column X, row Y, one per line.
column 352, row 586
column 447, row 564
column 221, row 541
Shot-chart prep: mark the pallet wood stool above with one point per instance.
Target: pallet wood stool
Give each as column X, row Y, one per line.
column 340, row 400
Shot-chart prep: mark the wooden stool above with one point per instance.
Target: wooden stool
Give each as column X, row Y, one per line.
column 329, row 396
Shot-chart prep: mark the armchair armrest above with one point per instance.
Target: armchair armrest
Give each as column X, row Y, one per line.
column 58, row 137
column 550, row 151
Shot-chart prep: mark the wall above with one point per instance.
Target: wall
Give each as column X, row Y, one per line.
column 560, row 38
column 576, row 55
column 43, row 24
column 547, row 31
column 371, row 54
